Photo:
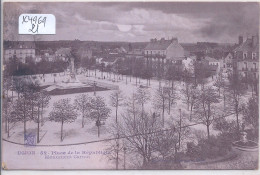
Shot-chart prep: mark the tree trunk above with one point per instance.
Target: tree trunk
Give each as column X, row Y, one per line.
column 169, row 106
column 61, row 132
column 172, row 85
column 24, row 128
column 12, row 94
column 163, row 113
column 208, row 130
column 38, row 126
column 98, row 131
column 117, row 159
column 82, row 121
column 144, row 162
column 224, row 99
column 42, row 122
column 237, row 119
column 180, row 130
column 191, row 112
column 116, row 113
column 8, row 129
column 142, row 109
column 32, row 109
column 83, row 112
column 6, row 118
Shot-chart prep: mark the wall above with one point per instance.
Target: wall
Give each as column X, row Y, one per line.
column 174, row 51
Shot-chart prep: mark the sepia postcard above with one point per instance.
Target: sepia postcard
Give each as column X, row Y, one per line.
column 130, row 85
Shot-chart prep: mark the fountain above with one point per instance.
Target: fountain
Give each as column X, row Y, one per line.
column 244, row 144
column 73, row 85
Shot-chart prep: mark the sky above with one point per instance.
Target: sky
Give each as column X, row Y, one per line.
column 139, row 21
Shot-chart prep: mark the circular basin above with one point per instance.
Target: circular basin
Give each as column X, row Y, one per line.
column 249, row 145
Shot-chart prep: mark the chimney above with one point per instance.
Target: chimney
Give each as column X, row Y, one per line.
column 175, row 40
column 240, row 40
column 254, row 40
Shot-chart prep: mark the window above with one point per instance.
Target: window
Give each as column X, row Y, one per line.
column 254, row 65
column 244, row 55
column 253, row 55
column 245, row 64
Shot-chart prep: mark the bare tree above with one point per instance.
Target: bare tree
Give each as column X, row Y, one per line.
column 219, row 82
column 200, row 73
column 115, row 146
column 194, row 96
column 6, row 86
column 8, row 114
column 235, row 90
column 63, row 112
column 159, row 102
column 205, row 110
column 22, row 107
column 82, row 103
column 116, row 99
column 171, row 96
column 187, row 94
column 143, row 96
column 251, row 113
column 143, row 130
column 99, row 111
column 32, row 93
column 132, row 107
column 179, row 121
column 19, row 85
column 43, row 99
column 252, row 81
column 165, row 143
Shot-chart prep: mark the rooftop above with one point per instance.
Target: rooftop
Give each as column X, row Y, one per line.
column 210, row 59
column 161, row 44
column 63, row 51
column 19, row 45
column 249, row 45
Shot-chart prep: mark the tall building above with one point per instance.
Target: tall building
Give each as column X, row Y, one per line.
column 21, row 50
column 246, row 57
column 160, row 53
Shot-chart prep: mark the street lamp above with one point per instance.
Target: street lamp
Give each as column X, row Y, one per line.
column 94, row 88
column 124, row 156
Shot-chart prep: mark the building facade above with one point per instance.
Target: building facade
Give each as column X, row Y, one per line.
column 246, row 58
column 160, row 53
column 20, row 50
column 226, row 63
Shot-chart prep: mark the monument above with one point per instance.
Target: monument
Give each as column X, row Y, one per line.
column 72, row 75
column 71, row 83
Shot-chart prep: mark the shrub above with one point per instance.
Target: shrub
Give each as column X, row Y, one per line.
column 209, row 148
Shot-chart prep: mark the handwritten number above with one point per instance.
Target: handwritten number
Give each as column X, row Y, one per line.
column 35, row 22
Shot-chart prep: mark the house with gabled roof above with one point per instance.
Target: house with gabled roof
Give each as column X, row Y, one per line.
column 226, row 62
column 246, row 57
column 159, row 53
column 19, row 49
column 168, row 49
